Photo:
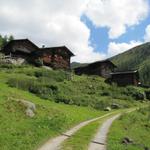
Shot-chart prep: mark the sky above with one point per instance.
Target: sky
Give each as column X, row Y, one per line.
column 92, row 29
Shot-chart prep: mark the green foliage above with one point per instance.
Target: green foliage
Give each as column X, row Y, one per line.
column 76, row 64
column 135, row 126
column 145, row 72
column 32, row 85
column 81, row 90
column 136, row 58
column 81, row 139
column 4, row 40
column 21, row 132
column 51, row 118
column 38, row 62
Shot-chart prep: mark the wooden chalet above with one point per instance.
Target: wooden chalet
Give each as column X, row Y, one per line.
column 55, row 57
column 21, row 48
column 100, row 68
column 125, row 78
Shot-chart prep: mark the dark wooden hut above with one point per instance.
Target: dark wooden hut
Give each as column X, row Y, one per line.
column 55, row 57
column 21, row 48
column 102, row 68
column 125, row 78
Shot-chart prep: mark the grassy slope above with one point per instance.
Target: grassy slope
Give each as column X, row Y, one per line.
column 136, row 58
column 20, row 132
column 136, row 126
column 81, row 90
column 76, row 65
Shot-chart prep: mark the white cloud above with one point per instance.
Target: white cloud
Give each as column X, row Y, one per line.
column 117, row 15
column 49, row 22
column 58, row 22
column 116, row 48
column 147, row 34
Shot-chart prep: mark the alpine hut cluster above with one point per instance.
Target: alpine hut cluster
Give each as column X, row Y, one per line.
column 59, row 58
column 55, row 57
column 108, row 70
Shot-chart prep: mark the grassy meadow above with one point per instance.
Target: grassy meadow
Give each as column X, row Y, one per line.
column 17, row 131
column 60, row 103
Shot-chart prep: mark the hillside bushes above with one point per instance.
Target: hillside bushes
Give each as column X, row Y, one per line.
column 81, row 90
column 42, row 89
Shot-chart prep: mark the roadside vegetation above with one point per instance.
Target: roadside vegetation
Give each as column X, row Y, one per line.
column 131, row 131
column 82, row 138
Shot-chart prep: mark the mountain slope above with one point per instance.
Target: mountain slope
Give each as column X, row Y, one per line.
column 77, row 64
column 135, row 58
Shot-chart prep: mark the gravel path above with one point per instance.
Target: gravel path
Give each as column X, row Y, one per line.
column 99, row 142
column 54, row 144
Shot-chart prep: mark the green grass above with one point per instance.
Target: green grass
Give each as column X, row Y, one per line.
column 17, row 131
column 136, row 126
column 20, row 132
column 82, row 138
column 81, row 90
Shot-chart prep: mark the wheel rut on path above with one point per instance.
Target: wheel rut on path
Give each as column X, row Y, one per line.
column 54, row 144
column 99, row 141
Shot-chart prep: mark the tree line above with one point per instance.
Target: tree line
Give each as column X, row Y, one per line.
column 5, row 39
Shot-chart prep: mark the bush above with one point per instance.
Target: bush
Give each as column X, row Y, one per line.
column 58, row 76
column 32, row 85
column 101, row 104
column 38, row 62
column 133, row 92
column 147, row 93
column 21, row 83
column 63, row 99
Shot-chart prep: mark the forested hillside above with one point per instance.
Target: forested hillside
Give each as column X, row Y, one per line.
column 136, row 58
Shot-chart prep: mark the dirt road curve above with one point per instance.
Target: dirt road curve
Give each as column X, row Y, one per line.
column 99, row 142
column 54, row 144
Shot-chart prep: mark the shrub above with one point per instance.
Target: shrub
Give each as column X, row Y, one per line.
column 58, row 76
column 63, row 99
column 101, row 104
column 21, row 83
column 32, row 85
column 38, row 62
column 133, row 92
column 147, row 93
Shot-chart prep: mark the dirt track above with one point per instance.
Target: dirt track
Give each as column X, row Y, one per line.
column 54, row 144
column 99, row 142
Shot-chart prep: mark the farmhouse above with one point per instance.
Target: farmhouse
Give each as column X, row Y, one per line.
column 21, row 48
column 101, row 68
column 55, row 57
column 125, row 78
